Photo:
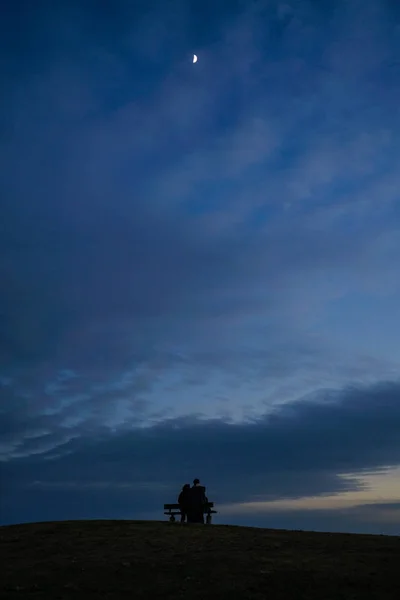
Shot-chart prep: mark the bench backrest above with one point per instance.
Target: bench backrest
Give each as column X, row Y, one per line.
column 177, row 506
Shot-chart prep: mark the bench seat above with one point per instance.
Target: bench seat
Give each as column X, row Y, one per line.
column 174, row 510
column 207, row 506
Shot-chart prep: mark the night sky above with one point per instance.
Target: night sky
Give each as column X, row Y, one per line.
column 200, row 263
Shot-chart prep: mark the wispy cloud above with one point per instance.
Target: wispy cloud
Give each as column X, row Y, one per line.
column 302, row 446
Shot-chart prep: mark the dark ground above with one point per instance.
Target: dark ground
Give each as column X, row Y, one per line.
column 121, row 559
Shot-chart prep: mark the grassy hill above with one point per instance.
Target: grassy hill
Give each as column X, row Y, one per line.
column 121, row 559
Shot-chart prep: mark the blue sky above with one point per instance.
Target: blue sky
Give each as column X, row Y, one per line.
column 200, row 261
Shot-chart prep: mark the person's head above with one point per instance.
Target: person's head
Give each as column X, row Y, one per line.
column 196, row 481
column 186, row 486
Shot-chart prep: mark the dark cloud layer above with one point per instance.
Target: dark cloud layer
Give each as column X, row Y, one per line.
column 297, row 450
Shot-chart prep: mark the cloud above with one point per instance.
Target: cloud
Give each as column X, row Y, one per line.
column 362, row 519
column 313, row 447
column 101, row 267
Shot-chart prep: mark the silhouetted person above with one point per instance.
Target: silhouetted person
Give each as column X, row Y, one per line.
column 184, row 501
column 197, row 501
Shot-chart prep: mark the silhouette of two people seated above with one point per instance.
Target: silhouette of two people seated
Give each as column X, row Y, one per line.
column 191, row 502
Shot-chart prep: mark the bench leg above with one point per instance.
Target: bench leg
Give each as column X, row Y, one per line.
column 172, row 519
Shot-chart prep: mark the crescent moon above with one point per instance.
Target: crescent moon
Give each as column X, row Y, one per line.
column 194, row 58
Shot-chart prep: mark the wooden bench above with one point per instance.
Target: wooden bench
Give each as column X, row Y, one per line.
column 174, row 510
